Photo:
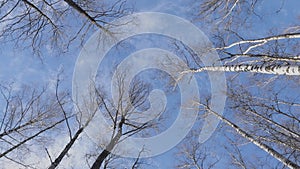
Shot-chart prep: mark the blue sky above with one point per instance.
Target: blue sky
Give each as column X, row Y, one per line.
column 18, row 66
column 21, row 67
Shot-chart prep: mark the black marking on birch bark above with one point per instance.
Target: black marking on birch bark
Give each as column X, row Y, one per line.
column 288, row 69
column 261, row 67
column 293, row 70
column 240, row 68
column 246, row 68
column 272, row 68
column 268, row 68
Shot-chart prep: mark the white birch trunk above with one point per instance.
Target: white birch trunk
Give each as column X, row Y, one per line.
column 266, row 69
column 261, row 145
column 264, row 40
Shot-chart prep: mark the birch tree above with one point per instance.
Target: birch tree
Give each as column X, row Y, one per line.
column 272, row 119
column 255, row 141
column 256, row 62
column 262, row 71
column 239, row 50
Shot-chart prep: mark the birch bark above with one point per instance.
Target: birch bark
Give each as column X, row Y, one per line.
column 261, row 145
column 265, row 69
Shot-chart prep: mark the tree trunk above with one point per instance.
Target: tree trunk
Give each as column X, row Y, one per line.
column 66, row 149
column 263, row 146
column 266, row 69
column 107, row 151
column 72, row 4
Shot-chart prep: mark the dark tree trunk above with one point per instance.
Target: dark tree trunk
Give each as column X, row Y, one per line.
column 97, row 164
column 65, row 150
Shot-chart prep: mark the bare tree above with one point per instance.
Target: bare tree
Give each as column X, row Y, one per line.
column 194, row 155
column 73, row 138
column 28, row 115
column 239, row 50
column 256, row 141
column 47, row 22
column 270, row 122
column 122, row 115
column 259, row 61
column 262, row 74
column 271, row 118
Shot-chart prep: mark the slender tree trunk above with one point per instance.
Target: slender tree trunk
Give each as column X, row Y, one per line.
column 266, row 69
column 261, row 145
column 264, row 40
column 56, row 162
